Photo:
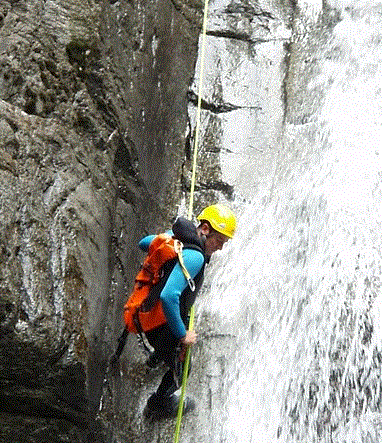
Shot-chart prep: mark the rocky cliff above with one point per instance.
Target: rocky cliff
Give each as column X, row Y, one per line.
column 93, row 116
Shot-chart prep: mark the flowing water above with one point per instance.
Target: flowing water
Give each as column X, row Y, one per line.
column 300, row 288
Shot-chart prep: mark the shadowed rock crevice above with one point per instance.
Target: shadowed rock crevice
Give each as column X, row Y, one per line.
column 126, row 159
column 49, row 390
column 216, row 108
column 219, row 186
column 240, row 36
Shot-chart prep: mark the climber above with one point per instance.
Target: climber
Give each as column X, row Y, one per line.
column 178, row 289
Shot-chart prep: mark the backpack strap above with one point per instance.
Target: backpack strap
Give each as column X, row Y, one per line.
column 178, row 247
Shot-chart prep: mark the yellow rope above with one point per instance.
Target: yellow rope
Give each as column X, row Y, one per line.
column 190, row 212
column 197, row 128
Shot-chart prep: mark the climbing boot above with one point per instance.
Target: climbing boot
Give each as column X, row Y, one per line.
column 159, row 408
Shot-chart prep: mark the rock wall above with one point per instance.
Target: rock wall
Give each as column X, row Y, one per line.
column 93, row 115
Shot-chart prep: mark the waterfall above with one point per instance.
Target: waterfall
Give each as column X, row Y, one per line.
column 298, row 289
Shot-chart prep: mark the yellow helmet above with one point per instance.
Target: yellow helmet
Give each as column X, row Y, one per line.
column 221, row 218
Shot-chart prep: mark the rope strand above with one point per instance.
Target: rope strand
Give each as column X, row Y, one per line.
column 190, row 212
column 198, row 111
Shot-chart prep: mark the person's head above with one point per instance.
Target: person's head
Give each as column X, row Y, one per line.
column 217, row 225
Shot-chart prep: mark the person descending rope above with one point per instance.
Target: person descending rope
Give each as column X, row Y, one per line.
column 164, row 291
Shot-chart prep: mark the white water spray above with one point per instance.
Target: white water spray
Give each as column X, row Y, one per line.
column 302, row 288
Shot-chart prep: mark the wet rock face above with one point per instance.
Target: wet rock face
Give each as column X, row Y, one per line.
column 57, row 194
column 242, row 96
column 97, row 113
column 92, row 121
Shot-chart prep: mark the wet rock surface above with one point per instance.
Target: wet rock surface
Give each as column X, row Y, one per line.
column 92, row 122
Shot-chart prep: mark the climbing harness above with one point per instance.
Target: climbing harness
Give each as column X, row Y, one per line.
column 190, row 212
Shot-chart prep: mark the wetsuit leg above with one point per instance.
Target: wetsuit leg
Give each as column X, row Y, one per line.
column 166, row 347
column 168, row 385
column 164, row 342
column 163, row 403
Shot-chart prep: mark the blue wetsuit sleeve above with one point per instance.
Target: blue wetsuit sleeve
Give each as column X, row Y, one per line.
column 145, row 242
column 175, row 285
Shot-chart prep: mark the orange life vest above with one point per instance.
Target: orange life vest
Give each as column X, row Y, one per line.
column 138, row 316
